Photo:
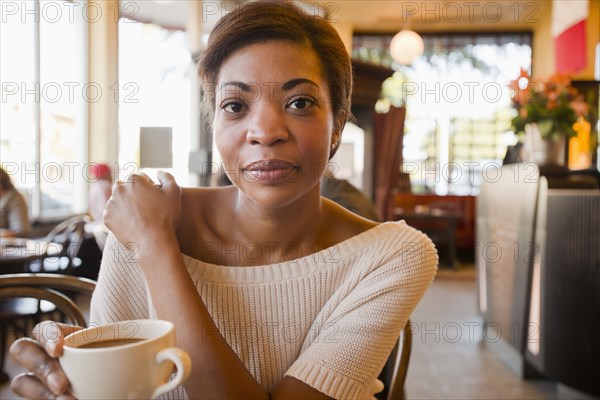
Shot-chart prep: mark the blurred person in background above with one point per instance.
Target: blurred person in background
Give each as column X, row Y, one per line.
column 14, row 217
column 100, row 190
column 101, row 181
column 348, row 196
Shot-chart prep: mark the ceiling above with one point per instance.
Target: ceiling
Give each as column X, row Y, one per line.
column 440, row 15
column 169, row 14
column 370, row 15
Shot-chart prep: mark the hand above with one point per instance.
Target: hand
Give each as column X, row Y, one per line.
column 139, row 209
column 45, row 379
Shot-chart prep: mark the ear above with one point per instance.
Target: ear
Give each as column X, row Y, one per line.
column 336, row 139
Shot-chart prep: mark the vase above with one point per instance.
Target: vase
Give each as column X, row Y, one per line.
column 555, row 150
column 548, row 151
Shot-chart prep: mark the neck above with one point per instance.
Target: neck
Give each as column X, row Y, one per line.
column 281, row 233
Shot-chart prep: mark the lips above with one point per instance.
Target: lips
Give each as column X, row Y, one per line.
column 268, row 171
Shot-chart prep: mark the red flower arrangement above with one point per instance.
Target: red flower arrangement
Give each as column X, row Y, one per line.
column 554, row 105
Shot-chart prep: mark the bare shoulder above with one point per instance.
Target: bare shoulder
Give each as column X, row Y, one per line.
column 339, row 224
column 201, row 208
column 204, row 195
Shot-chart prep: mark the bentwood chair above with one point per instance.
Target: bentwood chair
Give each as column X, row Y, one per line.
column 396, row 368
column 26, row 298
column 69, row 234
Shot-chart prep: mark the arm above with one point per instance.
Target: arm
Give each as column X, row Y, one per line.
column 153, row 215
column 18, row 217
column 359, row 326
column 121, row 292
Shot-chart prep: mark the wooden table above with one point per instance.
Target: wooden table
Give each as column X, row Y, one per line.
column 17, row 253
column 439, row 226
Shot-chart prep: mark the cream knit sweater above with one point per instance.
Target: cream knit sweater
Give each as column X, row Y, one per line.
column 329, row 319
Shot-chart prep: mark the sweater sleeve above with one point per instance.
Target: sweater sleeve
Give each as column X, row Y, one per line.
column 17, row 214
column 350, row 347
column 121, row 293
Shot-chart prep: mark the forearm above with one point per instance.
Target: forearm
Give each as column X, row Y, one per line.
column 18, row 221
column 217, row 372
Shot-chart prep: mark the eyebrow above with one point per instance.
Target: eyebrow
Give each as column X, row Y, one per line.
column 286, row 86
column 298, row 81
column 241, row 85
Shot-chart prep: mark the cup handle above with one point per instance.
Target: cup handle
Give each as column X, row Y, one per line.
column 184, row 366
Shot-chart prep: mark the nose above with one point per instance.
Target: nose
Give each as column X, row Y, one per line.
column 267, row 126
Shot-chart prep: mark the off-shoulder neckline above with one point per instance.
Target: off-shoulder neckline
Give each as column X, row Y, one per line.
column 301, row 266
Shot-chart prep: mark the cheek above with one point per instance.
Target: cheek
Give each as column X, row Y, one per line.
column 316, row 153
column 227, row 151
column 225, row 142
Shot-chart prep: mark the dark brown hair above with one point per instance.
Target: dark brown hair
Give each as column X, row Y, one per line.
column 5, row 181
column 259, row 22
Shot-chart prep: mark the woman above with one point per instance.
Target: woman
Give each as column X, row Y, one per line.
column 14, row 218
column 275, row 292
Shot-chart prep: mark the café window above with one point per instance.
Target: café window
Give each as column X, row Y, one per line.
column 155, row 76
column 458, row 104
column 43, row 140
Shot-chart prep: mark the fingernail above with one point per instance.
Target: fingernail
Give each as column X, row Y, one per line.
column 52, row 349
column 55, row 383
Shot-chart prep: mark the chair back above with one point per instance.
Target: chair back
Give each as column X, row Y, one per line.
column 69, row 234
column 49, row 287
column 398, row 365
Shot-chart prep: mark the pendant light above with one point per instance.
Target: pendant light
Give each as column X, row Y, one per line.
column 406, row 45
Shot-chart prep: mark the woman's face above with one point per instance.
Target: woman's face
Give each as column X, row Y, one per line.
column 273, row 121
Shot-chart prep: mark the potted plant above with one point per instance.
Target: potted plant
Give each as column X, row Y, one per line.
column 549, row 112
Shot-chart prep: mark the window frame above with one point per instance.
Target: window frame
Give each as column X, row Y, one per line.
column 36, row 13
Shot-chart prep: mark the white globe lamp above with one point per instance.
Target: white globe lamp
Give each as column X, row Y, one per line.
column 406, row 45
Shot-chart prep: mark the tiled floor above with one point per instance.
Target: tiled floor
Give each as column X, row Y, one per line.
column 449, row 359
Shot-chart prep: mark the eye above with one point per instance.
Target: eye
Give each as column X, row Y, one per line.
column 301, row 103
column 233, row 107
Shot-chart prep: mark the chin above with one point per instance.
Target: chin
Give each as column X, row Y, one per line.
column 278, row 196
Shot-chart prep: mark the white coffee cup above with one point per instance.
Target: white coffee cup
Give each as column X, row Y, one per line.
column 138, row 369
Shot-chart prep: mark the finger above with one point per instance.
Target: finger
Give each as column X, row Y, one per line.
column 27, row 386
column 166, row 180
column 150, row 180
column 144, row 175
column 51, row 335
column 45, row 369
column 137, row 178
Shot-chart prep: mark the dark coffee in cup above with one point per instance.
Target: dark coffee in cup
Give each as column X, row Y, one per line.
column 109, row 343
